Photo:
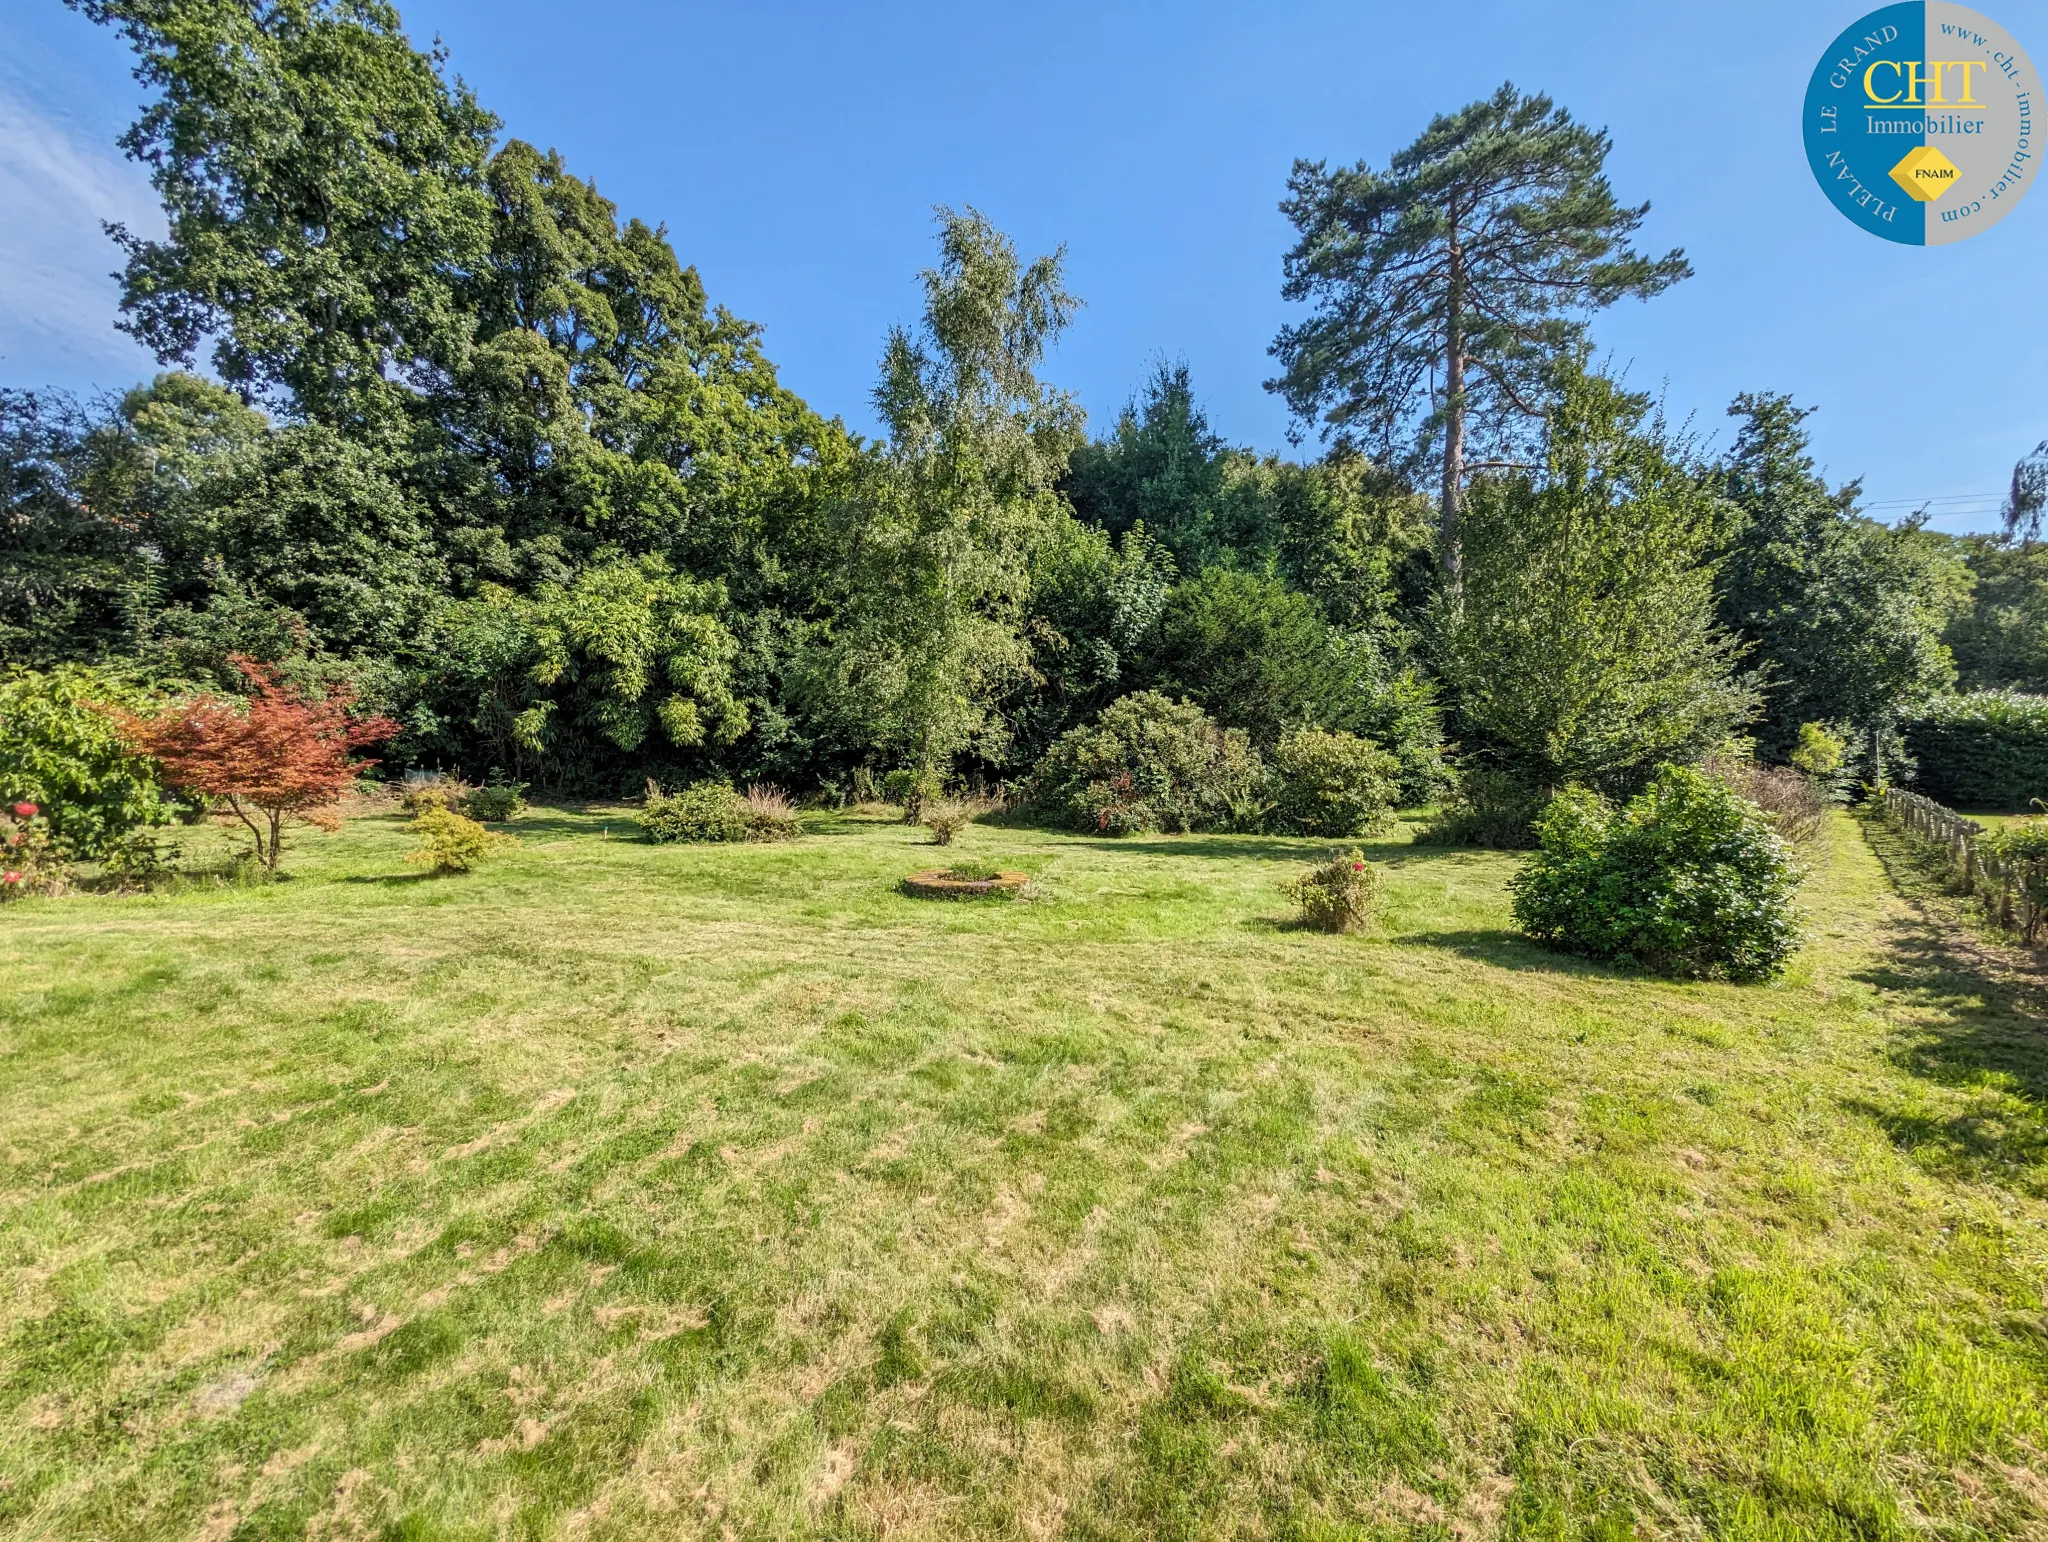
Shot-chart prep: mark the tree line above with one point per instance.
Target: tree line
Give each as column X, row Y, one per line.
column 439, row 426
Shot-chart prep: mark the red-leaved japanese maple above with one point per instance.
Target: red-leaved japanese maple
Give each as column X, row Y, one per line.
column 280, row 752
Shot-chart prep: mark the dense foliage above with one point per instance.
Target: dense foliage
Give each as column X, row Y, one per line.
column 1842, row 617
column 1151, row 763
column 1687, row 879
column 714, row 810
column 1332, row 784
column 1487, row 806
column 2000, row 640
column 1259, row 656
column 1984, row 750
column 61, row 749
column 1584, row 646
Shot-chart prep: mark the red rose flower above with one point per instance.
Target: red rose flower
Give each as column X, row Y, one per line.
column 1358, row 867
column 10, row 878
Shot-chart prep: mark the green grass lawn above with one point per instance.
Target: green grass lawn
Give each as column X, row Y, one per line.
column 626, row 1191
column 1999, row 821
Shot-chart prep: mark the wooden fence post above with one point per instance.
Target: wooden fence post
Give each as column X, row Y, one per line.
column 1922, row 817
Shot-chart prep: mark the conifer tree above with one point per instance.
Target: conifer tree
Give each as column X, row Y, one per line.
column 1447, row 285
column 1584, row 646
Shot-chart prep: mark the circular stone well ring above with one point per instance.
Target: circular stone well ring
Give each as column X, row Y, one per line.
column 939, row 883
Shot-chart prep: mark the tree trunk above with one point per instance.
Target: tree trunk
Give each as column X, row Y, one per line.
column 1454, row 465
column 256, row 830
column 1454, row 413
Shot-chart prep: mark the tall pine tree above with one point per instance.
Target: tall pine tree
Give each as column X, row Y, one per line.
column 1448, row 285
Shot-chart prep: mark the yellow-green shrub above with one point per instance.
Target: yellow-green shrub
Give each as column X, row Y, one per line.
column 451, row 843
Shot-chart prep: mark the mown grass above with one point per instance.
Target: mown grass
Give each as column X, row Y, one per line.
column 620, row 1191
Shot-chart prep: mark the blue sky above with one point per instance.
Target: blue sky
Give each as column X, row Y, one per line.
column 795, row 152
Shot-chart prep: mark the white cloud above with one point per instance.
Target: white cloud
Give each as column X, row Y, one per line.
column 57, row 295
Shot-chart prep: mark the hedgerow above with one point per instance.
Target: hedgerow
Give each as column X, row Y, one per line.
column 1984, row 750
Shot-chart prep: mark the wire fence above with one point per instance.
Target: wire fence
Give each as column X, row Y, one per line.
column 2014, row 891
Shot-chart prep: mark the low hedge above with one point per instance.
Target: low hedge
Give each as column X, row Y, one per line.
column 1985, row 750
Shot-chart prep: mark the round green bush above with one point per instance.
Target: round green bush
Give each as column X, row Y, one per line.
column 450, row 842
column 1687, row 880
column 1149, row 763
column 707, row 811
column 496, row 802
column 1333, row 784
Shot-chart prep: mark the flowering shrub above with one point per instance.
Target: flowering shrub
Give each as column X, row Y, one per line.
column 451, row 843
column 29, row 863
column 1149, row 763
column 1337, row 896
column 1688, row 879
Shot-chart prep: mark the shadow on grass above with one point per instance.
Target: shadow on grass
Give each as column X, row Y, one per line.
column 1287, row 926
column 1979, row 1025
column 1275, row 848
column 623, row 826
column 1505, row 949
column 1262, row 848
column 392, row 878
column 848, row 822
